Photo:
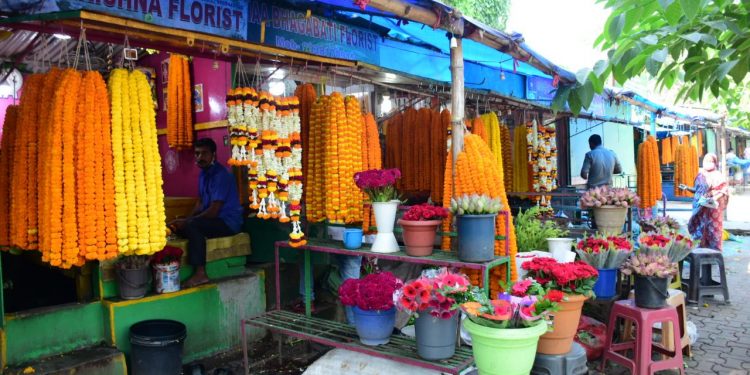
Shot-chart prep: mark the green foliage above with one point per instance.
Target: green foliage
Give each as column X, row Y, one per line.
column 492, row 12
column 699, row 46
column 532, row 233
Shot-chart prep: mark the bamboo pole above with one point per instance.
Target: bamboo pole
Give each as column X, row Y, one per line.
column 457, row 105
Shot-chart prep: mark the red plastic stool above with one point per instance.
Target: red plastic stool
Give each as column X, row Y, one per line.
column 643, row 345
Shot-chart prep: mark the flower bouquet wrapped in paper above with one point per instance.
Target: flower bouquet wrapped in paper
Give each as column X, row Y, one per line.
column 603, row 252
column 681, row 247
column 654, row 244
column 525, row 305
column 435, row 291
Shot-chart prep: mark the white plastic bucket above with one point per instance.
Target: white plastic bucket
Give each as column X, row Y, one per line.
column 167, row 277
column 561, row 249
column 524, row 257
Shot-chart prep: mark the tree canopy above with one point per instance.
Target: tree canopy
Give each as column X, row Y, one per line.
column 699, row 46
column 492, row 12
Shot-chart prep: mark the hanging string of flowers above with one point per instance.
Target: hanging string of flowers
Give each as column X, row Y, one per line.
column 507, row 154
column 686, row 168
column 6, row 161
column 179, row 104
column 520, row 160
column 648, row 173
column 23, row 222
column 543, row 159
column 307, row 96
column 139, row 199
column 51, row 83
column 666, row 151
column 371, row 159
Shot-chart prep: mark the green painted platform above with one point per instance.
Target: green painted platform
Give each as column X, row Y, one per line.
column 88, row 361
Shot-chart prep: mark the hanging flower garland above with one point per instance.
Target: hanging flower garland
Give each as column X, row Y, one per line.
column 23, row 173
column 51, row 83
column 648, row 173
column 6, row 162
column 179, row 104
column 507, row 151
column 520, row 160
column 666, row 151
column 543, row 160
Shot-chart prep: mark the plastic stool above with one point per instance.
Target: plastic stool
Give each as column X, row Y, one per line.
column 700, row 282
column 643, row 345
column 676, row 299
column 571, row 363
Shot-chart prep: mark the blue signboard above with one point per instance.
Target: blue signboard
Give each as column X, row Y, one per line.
column 220, row 17
column 288, row 28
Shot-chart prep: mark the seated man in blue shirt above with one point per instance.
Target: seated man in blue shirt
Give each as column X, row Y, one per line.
column 217, row 213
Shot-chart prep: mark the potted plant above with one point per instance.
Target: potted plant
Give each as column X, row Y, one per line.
column 432, row 298
column 166, row 265
column 606, row 254
column 380, row 186
column 475, row 222
column 532, row 233
column 577, row 281
column 505, row 332
column 371, row 298
column 132, row 276
column 610, row 207
column 652, row 272
column 420, row 223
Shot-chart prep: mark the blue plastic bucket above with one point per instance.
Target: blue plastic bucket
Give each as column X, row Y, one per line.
column 476, row 238
column 606, row 284
column 374, row 327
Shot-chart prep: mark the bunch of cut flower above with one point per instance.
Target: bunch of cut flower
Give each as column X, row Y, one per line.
column 435, row 291
column 659, row 224
column 378, row 184
column 654, row 244
column 572, row 278
column 373, row 292
column 649, row 265
column 604, row 252
column 167, row 255
column 607, row 196
column 681, row 247
column 425, row 212
column 526, row 304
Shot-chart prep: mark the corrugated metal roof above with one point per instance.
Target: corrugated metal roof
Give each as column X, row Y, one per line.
column 37, row 51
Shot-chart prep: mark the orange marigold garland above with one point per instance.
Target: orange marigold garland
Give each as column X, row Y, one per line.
column 666, row 151
column 6, row 161
column 179, row 104
column 649, row 173
column 51, row 81
column 21, row 174
column 520, row 160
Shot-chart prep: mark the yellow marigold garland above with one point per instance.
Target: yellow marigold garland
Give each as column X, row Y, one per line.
column 520, row 160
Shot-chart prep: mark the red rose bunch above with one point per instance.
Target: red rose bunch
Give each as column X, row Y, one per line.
column 434, row 290
column 574, row 278
column 654, row 244
column 681, row 247
column 424, row 212
column 604, row 252
column 372, row 292
column 379, row 184
column 167, row 255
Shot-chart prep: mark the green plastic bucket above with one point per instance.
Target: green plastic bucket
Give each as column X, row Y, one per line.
column 504, row 351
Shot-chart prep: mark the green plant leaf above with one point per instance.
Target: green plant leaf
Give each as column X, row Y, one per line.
column 650, row 39
column 690, row 8
column 739, row 71
column 615, row 27
column 694, row 37
column 582, row 74
column 586, row 94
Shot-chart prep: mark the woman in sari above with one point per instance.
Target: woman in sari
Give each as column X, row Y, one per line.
column 709, row 202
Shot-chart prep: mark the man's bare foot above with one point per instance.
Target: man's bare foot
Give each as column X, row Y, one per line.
column 199, row 278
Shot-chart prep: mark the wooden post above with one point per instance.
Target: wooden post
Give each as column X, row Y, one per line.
column 457, row 105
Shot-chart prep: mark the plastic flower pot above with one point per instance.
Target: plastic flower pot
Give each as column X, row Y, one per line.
column 419, row 236
column 610, row 219
column 476, row 237
column 374, row 327
column 560, row 248
column 504, row 351
column 436, row 338
column 606, row 284
column 564, row 327
column 651, row 292
column 385, row 217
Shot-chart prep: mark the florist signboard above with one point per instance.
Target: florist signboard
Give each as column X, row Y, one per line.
column 220, row 17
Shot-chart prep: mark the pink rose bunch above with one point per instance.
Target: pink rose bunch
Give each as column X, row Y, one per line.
column 424, row 212
column 379, row 184
column 526, row 304
column 681, row 247
column 434, row 291
column 607, row 196
column 649, row 265
column 372, row 292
